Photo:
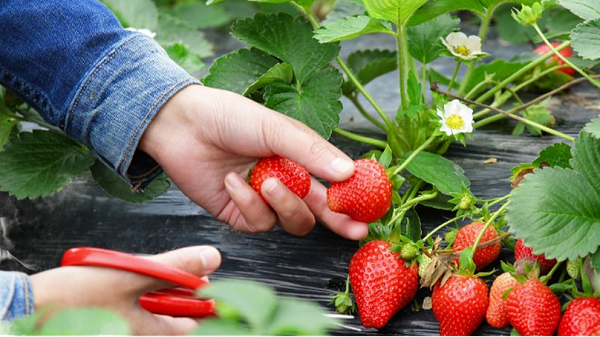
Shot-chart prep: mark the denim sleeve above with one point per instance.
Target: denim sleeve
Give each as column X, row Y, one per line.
column 16, row 295
column 100, row 83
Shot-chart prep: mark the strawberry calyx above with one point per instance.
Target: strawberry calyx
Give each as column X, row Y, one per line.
column 343, row 301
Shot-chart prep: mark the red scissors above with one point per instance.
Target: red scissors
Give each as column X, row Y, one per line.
column 178, row 301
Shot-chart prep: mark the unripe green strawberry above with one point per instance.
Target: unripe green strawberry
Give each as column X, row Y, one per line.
column 295, row 177
column 366, row 196
column 460, row 305
column 574, row 268
column 533, row 309
column 582, row 318
column 409, row 251
column 423, row 264
column 382, row 283
column 466, row 237
column 496, row 311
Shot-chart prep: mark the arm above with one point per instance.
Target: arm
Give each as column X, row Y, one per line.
column 16, row 295
column 101, row 84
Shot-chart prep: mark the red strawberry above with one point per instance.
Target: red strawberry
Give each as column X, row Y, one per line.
column 533, row 309
column 460, row 304
column 366, row 196
column 496, row 311
column 582, row 318
column 524, row 256
column 382, row 283
column 566, row 52
column 291, row 174
column 466, row 237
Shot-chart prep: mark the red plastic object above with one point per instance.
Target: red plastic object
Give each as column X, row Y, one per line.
column 177, row 301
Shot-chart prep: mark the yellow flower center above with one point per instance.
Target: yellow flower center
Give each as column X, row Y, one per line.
column 455, row 122
column 462, row 50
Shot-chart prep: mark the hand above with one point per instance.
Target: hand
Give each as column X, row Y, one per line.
column 208, row 139
column 119, row 290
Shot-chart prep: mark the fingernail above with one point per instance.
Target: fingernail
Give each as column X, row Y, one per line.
column 342, row 166
column 211, row 259
column 233, row 180
column 272, row 187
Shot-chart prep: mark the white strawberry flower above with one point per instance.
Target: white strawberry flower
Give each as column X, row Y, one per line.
column 144, row 31
column 457, row 118
column 463, row 46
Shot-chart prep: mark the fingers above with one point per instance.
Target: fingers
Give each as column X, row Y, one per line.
column 343, row 225
column 296, row 141
column 294, row 216
column 255, row 214
column 144, row 323
column 197, row 260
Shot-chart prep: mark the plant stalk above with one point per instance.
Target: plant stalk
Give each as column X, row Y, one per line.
column 414, row 154
column 564, row 59
column 363, row 139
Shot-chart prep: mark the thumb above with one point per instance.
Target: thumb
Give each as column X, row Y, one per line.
column 294, row 140
column 196, row 260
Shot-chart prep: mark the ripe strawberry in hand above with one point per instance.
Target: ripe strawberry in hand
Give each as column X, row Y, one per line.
column 382, row 283
column 525, row 256
column 291, row 174
column 582, row 318
column 466, row 237
column 496, row 311
column 566, row 52
column 460, row 304
column 366, row 196
column 533, row 309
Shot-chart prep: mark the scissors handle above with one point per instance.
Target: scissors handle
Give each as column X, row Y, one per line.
column 176, row 301
column 88, row 256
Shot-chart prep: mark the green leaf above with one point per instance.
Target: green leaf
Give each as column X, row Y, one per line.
column 586, row 39
column 290, row 40
column 171, row 30
column 424, row 43
column 182, row 56
column 411, row 225
column 343, row 9
column 582, row 63
column 435, row 8
column 118, row 188
column 252, row 301
column 39, row 163
column 560, row 23
column 316, row 103
column 24, row 326
column 585, row 9
column 369, row 64
column 85, row 322
column 539, row 114
column 595, row 261
column 239, row 70
column 135, row 13
column 554, row 211
column 351, row 28
column 556, row 155
column 396, row 11
column 7, row 123
column 593, row 127
column 299, row 318
column 199, row 15
column 586, row 156
column 441, row 201
column 447, row 176
column 220, row 327
column 280, row 73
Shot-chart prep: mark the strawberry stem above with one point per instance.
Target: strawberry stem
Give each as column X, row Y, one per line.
column 487, row 225
column 414, row 154
column 440, row 227
column 359, row 138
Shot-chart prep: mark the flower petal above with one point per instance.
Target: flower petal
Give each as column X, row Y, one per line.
column 456, row 39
